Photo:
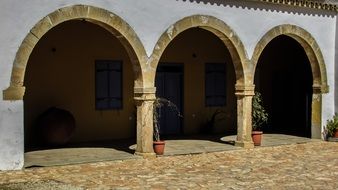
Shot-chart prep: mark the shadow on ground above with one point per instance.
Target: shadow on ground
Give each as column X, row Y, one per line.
column 124, row 149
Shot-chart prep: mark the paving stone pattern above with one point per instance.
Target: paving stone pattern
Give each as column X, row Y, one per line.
column 311, row 165
column 122, row 150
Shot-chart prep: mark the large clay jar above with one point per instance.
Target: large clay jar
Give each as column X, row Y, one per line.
column 56, row 126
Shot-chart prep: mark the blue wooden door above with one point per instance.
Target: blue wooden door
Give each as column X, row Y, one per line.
column 169, row 86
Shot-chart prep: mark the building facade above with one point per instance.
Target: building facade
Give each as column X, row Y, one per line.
column 106, row 61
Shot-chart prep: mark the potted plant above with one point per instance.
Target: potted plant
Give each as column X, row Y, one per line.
column 331, row 128
column 158, row 103
column 259, row 118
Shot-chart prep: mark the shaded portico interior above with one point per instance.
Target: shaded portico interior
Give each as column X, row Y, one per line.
column 283, row 76
column 183, row 77
column 61, row 73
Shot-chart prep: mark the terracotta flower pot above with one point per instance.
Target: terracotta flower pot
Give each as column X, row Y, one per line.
column 159, row 147
column 257, row 137
column 335, row 134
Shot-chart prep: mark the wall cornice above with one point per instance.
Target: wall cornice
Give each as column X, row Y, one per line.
column 321, row 5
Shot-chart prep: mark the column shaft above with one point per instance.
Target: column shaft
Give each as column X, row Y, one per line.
column 244, row 122
column 316, row 115
column 144, row 99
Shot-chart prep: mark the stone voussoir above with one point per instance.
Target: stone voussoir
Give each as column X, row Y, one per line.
column 42, row 27
column 68, row 13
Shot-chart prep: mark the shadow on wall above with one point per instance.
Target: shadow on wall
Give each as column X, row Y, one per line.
column 264, row 6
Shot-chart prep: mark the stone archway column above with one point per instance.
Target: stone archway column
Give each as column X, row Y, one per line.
column 244, row 122
column 316, row 113
column 144, row 99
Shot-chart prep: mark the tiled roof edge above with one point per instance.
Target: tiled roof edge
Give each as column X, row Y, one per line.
column 304, row 3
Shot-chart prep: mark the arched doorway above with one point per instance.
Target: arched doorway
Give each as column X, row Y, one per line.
column 196, row 73
column 312, row 73
column 82, row 68
column 284, row 78
column 243, row 87
column 100, row 18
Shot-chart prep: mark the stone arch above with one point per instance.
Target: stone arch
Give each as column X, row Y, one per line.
column 309, row 45
column 318, row 68
column 244, row 87
column 217, row 27
column 111, row 22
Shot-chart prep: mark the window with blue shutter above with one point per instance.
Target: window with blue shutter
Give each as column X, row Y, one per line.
column 108, row 84
column 215, row 84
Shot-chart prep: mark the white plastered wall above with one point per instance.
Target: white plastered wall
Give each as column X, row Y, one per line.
column 336, row 68
column 149, row 19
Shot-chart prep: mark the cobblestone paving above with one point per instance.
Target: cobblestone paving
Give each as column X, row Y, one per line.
column 312, row 165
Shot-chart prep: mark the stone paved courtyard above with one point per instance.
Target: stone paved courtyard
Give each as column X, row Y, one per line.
column 311, row 165
column 123, row 150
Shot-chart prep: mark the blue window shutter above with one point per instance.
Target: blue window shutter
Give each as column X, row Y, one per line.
column 108, row 84
column 115, row 85
column 101, row 84
column 215, row 84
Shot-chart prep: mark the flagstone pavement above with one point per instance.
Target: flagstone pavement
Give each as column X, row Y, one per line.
column 310, row 165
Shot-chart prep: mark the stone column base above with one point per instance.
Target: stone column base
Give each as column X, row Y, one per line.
column 332, row 139
column 145, row 155
column 244, row 144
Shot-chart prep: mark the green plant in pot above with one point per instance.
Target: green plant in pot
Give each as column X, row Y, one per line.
column 331, row 127
column 158, row 104
column 259, row 118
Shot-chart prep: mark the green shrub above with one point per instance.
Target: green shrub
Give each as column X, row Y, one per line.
column 259, row 115
column 332, row 125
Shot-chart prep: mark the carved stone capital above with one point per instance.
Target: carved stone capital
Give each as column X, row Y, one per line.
column 145, row 90
column 144, row 94
column 245, row 90
column 320, row 89
column 14, row 93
